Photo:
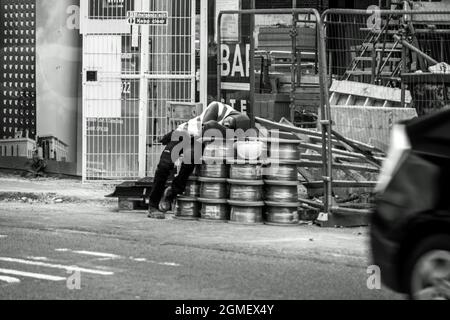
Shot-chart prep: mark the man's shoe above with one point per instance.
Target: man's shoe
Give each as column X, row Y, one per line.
column 154, row 213
column 166, row 201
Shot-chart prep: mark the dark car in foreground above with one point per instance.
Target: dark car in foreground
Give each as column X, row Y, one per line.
column 410, row 228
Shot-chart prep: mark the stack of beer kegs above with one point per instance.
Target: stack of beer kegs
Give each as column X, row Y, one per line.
column 281, row 183
column 213, row 183
column 246, row 184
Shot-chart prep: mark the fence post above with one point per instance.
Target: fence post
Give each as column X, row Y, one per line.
column 403, row 71
column 325, row 123
column 293, row 64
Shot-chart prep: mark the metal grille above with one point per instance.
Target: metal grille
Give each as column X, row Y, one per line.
column 361, row 49
column 128, row 80
column 161, row 91
column 109, row 9
column 171, row 46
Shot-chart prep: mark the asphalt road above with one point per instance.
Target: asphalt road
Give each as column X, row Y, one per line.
column 89, row 251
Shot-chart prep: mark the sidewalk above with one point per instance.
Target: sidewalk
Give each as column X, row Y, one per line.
column 13, row 188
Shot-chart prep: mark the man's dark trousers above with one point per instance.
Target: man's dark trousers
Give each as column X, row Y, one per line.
column 165, row 169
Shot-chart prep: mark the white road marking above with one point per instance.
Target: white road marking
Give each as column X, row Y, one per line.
column 9, row 279
column 98, row 254
column 39, row 276
column 2, row 236
column 38, row 258
column 168, row 264
column 91, row 253
column 57, row 266
column 110, row 256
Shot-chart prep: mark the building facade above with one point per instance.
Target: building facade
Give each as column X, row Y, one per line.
column 17, row 68
column 17, row 147
column 53, row 148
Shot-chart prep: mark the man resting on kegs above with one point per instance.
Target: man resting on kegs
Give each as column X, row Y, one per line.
column 216, row 116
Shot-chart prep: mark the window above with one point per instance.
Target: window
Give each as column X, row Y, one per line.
column 91, row 76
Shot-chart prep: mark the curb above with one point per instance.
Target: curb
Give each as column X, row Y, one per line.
column 48, row 198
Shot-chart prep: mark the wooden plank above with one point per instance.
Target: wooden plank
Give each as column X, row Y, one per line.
column 370, row 125
column 369, row 90
column 286, row 126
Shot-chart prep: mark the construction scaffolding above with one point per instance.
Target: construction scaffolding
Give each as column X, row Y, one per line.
column 364, row 59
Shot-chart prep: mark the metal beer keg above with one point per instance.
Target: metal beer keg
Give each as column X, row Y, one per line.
column 215, row 210
column 282, row 214
column 281, row 191
column 240, row 170
column 212, row 188
column 244, row 212
column 281, row 171
column 213, row 169
column 283, row 149
column 246, row 190
column 192, row 188
column 187, row 208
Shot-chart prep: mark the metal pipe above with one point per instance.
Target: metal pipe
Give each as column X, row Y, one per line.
column 293, row 64
column 384, row 12
column 416, row 50
column 404, row 70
